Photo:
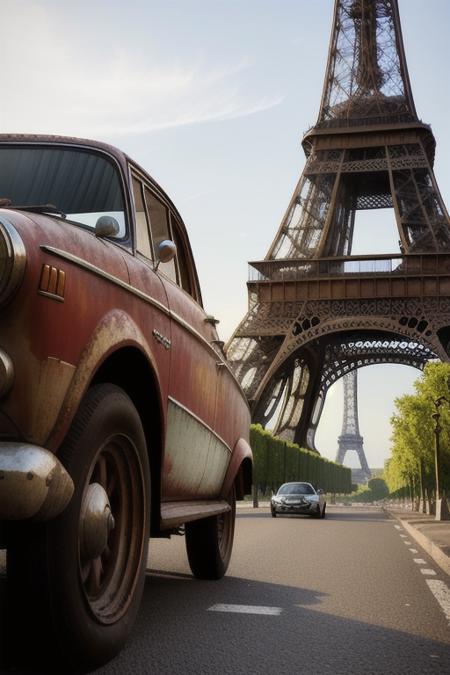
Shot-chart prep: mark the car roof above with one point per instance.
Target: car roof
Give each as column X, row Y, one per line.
column 297, row 482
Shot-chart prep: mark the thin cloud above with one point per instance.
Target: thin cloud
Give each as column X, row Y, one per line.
column 57, row 85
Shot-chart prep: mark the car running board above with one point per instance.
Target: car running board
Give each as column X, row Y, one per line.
column 174, row 514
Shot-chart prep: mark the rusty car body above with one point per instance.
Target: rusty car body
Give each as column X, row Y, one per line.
column 119, row 415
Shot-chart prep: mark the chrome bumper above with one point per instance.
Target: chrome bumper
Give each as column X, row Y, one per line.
column 295, row 508
column 33, row 483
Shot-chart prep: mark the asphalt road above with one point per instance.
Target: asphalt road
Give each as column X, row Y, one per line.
column 342, row 595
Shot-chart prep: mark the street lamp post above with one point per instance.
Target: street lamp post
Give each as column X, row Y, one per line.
column 442, row 512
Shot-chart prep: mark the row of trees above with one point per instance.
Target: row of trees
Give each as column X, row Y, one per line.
column 277, row 461
column 411, row 467
column 374, row 491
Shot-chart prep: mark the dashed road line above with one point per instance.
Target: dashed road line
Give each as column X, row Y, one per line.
column 439, row 589
column 246, row 609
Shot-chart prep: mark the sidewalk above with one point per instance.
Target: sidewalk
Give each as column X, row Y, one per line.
column 432, row 535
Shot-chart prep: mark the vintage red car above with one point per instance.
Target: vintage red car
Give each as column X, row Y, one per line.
column 119, row 415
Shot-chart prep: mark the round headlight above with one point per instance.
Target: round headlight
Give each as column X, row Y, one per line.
column 12, row 260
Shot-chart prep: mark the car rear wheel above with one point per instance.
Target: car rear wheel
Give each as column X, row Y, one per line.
column 274, row 513
column 323, row 510
column 209, row 542
column 78, row 580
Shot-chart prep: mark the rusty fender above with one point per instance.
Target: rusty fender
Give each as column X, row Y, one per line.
column 241, row 463
column 115, row 331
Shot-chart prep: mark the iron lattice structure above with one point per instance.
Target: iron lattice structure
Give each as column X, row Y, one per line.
column 350, row 439
column 315, row 311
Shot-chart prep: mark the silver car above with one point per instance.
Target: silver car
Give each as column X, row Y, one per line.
column 298, row 498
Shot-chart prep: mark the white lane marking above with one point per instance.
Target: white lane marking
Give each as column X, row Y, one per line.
column 441, row 592
column 407, row 542
column 403, row 536
column 246, row 609
column 397, row 527
column 414, row 550
column 427, row 571
column 420, row 561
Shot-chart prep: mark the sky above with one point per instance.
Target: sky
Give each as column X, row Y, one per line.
column 212, row 97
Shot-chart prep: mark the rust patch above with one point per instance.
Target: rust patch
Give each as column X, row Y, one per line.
column 115, row 330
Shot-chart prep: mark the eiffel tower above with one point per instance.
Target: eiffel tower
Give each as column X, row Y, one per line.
column 316, row 311
column 350, row 439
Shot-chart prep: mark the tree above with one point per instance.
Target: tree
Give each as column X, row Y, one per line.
column 378, row 488
column 412, row 460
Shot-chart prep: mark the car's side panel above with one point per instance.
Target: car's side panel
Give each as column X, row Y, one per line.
column 232, row 414
column 195, row 461
column 195, row 456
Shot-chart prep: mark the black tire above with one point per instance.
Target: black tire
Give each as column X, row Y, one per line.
column 82, row 608
column 274, row 513
column 209, row 543
column 318, row 513
column 324, row 509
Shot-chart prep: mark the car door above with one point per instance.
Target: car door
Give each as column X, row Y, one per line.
column 196, row 457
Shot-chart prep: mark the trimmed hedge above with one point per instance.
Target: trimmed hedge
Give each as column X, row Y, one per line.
column 276, row 461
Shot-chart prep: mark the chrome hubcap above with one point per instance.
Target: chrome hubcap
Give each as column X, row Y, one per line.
column 97, row 522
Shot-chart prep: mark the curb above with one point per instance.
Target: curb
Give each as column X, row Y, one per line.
column 430, row 547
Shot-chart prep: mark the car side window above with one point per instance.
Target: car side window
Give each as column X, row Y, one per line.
column 143, row 243
column 159, row 225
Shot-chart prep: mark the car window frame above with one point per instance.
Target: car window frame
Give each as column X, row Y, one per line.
column 175, row 223
column 162, row 268
column 138, row 253
column 194, row 291
column 124, row 241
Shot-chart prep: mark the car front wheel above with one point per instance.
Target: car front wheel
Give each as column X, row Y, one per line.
column 79, row 578
column 209, row 542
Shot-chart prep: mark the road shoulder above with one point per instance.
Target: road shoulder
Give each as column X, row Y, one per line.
column 432, row 535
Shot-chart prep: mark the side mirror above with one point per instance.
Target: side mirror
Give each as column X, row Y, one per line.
column 319, row 491
column 106, row 226
column 167, row 251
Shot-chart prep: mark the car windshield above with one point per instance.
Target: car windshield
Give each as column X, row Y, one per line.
column 296, row 489
column 80, row 184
